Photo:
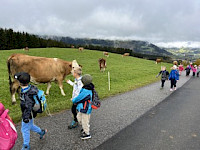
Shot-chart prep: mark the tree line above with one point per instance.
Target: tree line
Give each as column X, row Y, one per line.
column 17, row 40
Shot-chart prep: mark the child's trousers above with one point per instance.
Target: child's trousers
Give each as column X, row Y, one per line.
column 26, row 128
column 84, row 120
column 173, row 83
column 74, row 112
column 163, row 82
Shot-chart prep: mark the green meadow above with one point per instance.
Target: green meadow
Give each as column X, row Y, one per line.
column 126, row 73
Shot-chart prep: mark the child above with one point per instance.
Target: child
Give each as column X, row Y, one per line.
column 194, row 70
column 180, row 68
column 164, row 75
column 173, row 76
column 27, row 103
column 77, row 85
column 187, row 69
column 198, row 71
column 83, row 101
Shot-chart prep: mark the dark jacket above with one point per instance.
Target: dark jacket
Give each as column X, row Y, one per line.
column 27, row 102
column 164, row 75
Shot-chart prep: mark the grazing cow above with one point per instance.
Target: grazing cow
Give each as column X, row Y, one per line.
column 41, row 70
column 102, row 64
column 80, row 49
column 126, row 54
column 158, row 61
column 105, row 54
column 26, row 49
column 72, row 46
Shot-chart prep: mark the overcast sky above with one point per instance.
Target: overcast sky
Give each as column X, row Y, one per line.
column 156, row 21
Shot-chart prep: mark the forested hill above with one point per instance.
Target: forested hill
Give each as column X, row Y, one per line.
column 141, row 47
column 17, row 40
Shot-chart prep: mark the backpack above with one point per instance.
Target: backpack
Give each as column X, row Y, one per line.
column 40, row 102
column 96, row 103
column 8, row 132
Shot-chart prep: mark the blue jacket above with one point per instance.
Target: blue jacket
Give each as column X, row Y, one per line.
column 83, row 100
column 174, row 75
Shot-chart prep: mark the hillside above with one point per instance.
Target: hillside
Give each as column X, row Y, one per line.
column 185, row 53
column 141, row 47
column 126, row 74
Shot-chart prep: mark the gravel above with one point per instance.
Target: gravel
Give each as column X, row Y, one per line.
column 116, row 113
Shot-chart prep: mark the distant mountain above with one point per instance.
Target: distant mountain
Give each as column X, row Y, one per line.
column 142, row 47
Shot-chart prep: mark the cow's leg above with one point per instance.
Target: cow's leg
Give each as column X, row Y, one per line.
column 61, row 87
column 13, row 89
column 48, row 88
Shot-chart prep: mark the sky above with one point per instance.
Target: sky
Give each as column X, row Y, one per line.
column 162, row 22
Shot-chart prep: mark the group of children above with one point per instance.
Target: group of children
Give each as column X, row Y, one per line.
column 81, row 108
column 195, row 69
column 174, row 74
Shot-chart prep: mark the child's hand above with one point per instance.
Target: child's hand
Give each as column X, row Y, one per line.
column 68, row 81
column 71, row 99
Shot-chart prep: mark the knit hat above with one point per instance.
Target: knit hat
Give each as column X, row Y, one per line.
column 22, row 77
column 86, row 79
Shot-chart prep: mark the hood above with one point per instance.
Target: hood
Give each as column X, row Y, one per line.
column 89, row 86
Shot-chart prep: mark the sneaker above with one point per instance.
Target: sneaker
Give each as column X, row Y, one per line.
column 85, row 136
column 43, row 133
column 26, row 147
column 171, row 90
column 175, row 88
column 73, row 124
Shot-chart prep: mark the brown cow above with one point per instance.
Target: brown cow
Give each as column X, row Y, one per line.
column 158, row 61
column 126, row 54
column 102, row 64
column 26, row 49
column 41, row 70
column 106, row 54
column 80, row 49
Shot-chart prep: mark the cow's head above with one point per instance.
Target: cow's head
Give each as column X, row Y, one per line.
column 75, row 65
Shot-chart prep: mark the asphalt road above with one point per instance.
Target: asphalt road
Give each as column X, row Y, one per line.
column 115, row 114
column 174, row 124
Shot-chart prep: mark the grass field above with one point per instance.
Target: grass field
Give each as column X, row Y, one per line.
column 126, row 74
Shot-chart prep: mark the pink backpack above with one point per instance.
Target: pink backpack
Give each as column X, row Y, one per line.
column 8, row 133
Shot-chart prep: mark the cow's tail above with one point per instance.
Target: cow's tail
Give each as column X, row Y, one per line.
column 9, row 73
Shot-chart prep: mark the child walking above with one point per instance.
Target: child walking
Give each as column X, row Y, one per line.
column 83, row 101
column 27, row 102
column 194, row 70
column 77, row 85
column 187, row 69
column 173, row 76
column 164, row 75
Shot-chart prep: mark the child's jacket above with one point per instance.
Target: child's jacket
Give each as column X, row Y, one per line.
column 164, row 75
column 174, row 75
column 84, row 99
column 77, row 86
column 27, row 101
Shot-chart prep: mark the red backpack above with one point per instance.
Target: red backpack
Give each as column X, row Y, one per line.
column 8, row 133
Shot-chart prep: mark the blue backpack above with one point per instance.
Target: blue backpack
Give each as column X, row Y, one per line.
column 40, row 102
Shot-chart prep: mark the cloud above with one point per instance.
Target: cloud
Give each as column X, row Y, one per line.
column 154, row 21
